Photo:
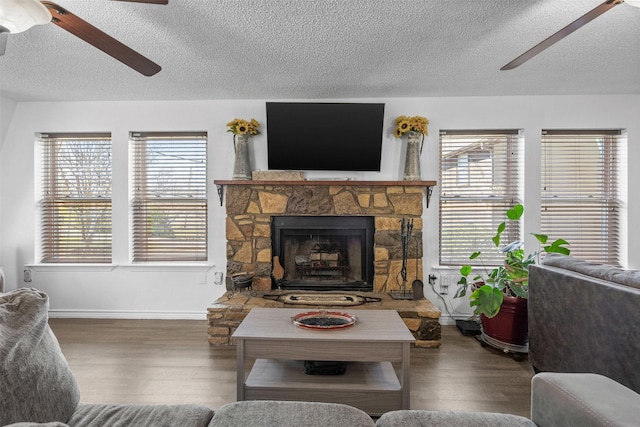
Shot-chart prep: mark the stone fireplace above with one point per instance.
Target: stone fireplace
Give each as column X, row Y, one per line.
column 251, row 207
column 329, row 236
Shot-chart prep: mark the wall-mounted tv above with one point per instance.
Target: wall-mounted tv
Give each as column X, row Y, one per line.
column 324, row 136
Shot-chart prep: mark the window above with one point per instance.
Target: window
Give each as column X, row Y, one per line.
column 169, row 196
column 75, row 204
column 580, row 201
column 479, row 180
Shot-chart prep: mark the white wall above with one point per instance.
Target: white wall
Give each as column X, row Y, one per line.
column 7, row 107
column 122, row 290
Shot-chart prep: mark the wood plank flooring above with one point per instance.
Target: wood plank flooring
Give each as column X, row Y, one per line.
column 170, row 361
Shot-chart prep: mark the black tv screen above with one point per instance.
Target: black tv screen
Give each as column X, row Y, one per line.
column 324, row 136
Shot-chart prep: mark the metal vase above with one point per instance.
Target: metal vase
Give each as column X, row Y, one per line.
column 242, row 165
column 412, row 159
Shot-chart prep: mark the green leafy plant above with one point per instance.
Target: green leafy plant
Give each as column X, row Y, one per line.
column 509, row 279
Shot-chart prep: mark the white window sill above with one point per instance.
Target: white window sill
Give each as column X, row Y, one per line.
column 165, row 266
column 110, row 267
column 70, row 266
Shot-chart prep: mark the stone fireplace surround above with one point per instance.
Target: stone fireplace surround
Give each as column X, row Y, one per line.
column 251, row 204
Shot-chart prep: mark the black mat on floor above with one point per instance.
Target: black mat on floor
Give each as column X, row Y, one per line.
column 468, row 327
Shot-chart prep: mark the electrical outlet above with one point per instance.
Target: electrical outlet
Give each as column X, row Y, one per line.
column 217, row 278
column 444, row 289
column 442, row 280
column 27, row 275
column 446, row 281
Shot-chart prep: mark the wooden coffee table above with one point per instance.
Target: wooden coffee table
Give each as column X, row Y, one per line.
column 371, row 347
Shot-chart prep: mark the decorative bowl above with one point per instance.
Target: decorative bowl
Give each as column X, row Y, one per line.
column 324, row 320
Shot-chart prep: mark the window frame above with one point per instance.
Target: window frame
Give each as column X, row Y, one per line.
column 589, row 213
column 146, row 246
column 469, row 214
column 60, row 241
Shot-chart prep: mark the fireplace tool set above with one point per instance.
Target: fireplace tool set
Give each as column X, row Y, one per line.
column 406, row 227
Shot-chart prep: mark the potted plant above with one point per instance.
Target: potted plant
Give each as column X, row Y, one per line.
column 499, row 295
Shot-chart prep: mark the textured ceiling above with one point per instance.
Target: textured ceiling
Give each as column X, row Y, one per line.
column 323, row 49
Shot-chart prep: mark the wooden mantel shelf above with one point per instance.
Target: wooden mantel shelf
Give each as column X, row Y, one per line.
column 330, row 182
column 326, row 182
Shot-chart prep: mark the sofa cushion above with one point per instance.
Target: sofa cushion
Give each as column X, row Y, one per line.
column 585, row 400
column 29, row 424
column 600, row 271
column 289, row 414
column 98, row 415
column 420, row 418
column 36, row 382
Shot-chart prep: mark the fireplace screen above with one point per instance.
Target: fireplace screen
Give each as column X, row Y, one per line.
column 324, row 253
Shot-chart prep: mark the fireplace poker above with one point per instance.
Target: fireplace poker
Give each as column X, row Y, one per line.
column 406, row 228
column 403, row 239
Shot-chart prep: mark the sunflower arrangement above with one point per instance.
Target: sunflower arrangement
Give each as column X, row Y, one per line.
column 244, row 127
column 406, row 124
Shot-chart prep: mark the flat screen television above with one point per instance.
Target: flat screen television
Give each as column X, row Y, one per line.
column 324, row 136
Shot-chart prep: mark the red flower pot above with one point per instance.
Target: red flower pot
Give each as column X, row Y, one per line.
column 510, row 325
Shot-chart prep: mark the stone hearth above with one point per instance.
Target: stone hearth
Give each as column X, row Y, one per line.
column 421, row 317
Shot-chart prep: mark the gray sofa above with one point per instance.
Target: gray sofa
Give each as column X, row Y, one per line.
column 37, row 388
column 37, row 385
column 585, row 317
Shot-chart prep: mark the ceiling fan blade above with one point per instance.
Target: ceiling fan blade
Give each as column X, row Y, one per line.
column 87, row 32
column 583, row 20
column 147, row 1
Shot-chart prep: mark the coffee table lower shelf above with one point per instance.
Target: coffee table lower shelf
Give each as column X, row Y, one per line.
column 370, row 386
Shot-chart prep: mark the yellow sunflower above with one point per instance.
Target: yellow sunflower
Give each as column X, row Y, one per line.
column 402, row 127
column 401, row 119
column 418, row 126
column 406, row 124
column 244, row 127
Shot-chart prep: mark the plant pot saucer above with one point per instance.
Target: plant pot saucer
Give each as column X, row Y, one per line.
column 516, row 350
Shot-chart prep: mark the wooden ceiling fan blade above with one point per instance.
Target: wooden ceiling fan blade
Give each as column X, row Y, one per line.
column 87, row 32
column 575, row 25
column 147, row 1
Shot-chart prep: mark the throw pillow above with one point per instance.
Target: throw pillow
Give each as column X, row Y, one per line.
column 36, row 381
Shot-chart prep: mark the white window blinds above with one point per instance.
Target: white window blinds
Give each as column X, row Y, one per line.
column 75, row 207
column 169, row 196
column 479, row 180
column 580, row 200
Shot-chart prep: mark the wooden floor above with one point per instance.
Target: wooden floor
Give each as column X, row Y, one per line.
column 170, row 361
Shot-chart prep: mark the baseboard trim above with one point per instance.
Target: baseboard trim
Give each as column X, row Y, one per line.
column 445, row 319
column 125, row 314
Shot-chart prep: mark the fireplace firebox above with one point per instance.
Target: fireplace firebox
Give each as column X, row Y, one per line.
column 324, row 252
